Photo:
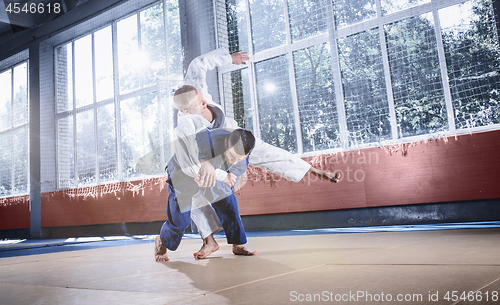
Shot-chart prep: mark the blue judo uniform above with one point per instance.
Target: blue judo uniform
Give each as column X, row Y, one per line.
column 182, row 188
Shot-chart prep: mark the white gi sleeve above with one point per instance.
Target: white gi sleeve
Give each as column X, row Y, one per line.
column 185, row 146
column 196, row 74
column 278, row 161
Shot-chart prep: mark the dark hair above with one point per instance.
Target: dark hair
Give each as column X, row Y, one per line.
column 247, row 141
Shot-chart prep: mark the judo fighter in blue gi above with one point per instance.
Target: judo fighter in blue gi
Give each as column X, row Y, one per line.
column 197, row 112
column 225, row 150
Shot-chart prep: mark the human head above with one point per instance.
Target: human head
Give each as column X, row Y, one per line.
column 239, row 145
column 189, row 100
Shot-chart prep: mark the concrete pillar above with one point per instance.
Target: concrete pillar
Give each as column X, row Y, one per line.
column 34, row 117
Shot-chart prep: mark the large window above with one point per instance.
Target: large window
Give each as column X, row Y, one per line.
column 473, row 63
column 14, row 131
column 347, row 74
column 416, row 76
column 112, row 112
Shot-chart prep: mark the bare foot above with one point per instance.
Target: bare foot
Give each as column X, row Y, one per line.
column 242, row 250
column 160, row 251
column 209, row 247
column 325, row 175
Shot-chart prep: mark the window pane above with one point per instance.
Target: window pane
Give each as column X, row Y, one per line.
column 130, row 60
column 139, row 131
column 473, row 61
column 416, row 76
column 103, row 64
column 174, row 39
column 106, row 137
column 237, row 97
column 316, row 97
column 307, row 18
column 20, row 162
column 237, row 28
column 146, row 42
column 68, row 103
column 391, row 6
column 348, row 12
column 5, row 99
column 5, row 164
column 20, row 107
column 365, row 94
column 268, row 24
column 66, row 153
column 85, row 147
column 276, row 111
column 64, row 77
column 152, row 44
column 83, row 71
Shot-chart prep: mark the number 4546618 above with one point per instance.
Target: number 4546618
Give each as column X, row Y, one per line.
column 471, row 296
column 33, row 8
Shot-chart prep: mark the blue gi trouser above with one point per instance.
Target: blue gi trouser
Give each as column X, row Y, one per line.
column 227, row 209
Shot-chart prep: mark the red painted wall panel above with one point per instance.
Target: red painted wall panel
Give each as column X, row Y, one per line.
column 450, row 169
column 136, row 201
column 15, row 212
column 465, row 167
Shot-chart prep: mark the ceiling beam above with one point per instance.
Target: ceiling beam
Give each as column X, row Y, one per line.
column 85, row 11
column 24, row 19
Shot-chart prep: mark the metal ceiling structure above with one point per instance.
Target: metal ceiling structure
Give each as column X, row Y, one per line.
column 21, row 15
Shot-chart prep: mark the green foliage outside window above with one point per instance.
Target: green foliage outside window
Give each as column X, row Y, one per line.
column 402, row 92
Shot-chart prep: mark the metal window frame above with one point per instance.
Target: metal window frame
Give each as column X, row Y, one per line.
column 94, row 101
column 14, row 128
column 12, row 150
column 252, row 71
column 444, row 72
column 337, row 76
column 331, row 36
column 117, row 97
column 291, row 77
column 73, row 112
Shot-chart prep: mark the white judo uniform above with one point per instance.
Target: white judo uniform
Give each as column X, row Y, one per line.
column 265, row 156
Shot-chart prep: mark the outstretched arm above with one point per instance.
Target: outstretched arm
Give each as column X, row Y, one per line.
column 325, row 175
column 196, row 74
column 197, row 71
column 286, row 164
column 186, row 148
column 239, row 58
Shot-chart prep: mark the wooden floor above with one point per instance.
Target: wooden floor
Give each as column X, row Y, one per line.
column 386, row 265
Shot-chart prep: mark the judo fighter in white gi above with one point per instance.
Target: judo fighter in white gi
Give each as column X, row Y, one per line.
column 196, row 112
